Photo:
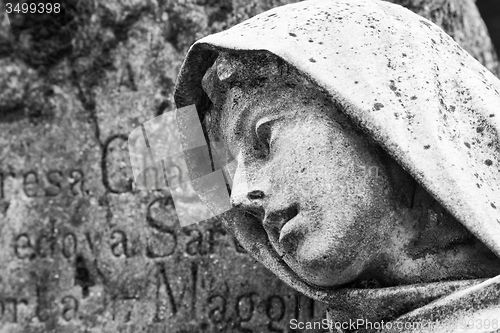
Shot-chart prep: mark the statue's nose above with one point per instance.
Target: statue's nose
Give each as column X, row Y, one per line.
column 245, row 196
column 255, row 195
column 251, row 202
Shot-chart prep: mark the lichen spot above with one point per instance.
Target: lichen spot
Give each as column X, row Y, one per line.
column 479, row 129
column 488, row 162
column 467, row 144
column 378, row 106
column 312, row 60
column 425, row 23
column 292, row 34
column 427, row 147
column 413, row 98
column 393, row 86
column 493, row 205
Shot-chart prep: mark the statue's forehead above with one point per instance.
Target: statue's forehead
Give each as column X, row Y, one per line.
column 241, row 89
column 244, row 91
column 242, row 107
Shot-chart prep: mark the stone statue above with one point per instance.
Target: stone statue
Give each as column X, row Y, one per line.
column 367, row 161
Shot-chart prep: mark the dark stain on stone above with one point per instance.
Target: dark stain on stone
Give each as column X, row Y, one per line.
column 425, row 23
column 393, row 86
column 224, row 10
column 13, row 112
column 312, row 60
column 467, row 144
column 427, row 147
column 413, row 98
column 378, row 106
column 492, row 115
column 83, row 277
column 292, row 34
column 78, row 218
column 488, row 162
column 480, row 129
column 493, row 205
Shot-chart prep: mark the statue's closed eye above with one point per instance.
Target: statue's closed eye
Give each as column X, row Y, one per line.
column 263, row 131
column 264, row 126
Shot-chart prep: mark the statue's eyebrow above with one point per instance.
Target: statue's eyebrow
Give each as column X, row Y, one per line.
column 268, row 114
column 272, row 118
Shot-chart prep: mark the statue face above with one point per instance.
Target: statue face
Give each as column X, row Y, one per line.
column 316, row 186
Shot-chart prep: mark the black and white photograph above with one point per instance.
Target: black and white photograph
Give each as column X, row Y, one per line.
column 260, row 166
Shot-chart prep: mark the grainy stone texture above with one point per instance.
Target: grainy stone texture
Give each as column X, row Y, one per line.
column 490, row 12
column 80, row 249
column 461, row 20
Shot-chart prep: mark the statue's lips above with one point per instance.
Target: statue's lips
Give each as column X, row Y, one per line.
column 278, row 220
column 291, row 234
column 289, row 229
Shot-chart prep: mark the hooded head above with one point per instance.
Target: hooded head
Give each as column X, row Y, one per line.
column 347, row 104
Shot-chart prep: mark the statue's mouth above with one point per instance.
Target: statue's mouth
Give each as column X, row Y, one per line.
column 275, row 221
column 277, row 225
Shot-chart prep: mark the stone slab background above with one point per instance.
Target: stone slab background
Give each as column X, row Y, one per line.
column 490, row 12
column 81, row 250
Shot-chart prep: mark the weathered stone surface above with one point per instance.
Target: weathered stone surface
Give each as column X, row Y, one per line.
column 462, row 21
column 490, row 12
column 80, row 249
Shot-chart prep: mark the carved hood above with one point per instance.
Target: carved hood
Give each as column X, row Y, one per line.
column 409, row 86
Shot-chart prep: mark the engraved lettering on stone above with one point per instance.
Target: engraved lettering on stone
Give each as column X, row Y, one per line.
column 70, row 308
column 54, row 179
column 76, row 182
column 69, row 245
column 30, row 184
column 119, row 243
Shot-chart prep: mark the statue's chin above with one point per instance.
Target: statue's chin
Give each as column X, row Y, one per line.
column 315, row 260
column 320, row 271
